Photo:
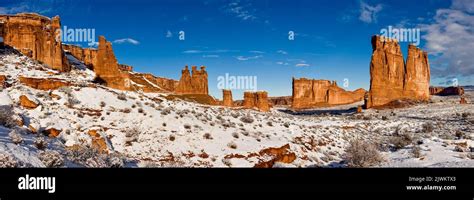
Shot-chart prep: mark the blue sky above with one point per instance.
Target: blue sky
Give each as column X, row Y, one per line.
column 250, row 38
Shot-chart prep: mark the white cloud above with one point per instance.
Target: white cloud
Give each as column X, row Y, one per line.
column 243, row 58
column 450, row 39
column 257, row 52
column 127, row 40
column 302, row 65
column 282, row 63
column 368, row 13
column 282, row 52
column 169, row 34
column 240, row 10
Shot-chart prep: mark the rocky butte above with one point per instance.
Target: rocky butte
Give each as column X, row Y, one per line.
column 392, row 79
column 309, row 93
column 227, row 98
column 194, row 82
column 256, row 100
column 35, row 36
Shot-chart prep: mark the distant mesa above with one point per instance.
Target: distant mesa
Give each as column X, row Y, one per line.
column 447, row 91
column 311, row 93
column 392, row 79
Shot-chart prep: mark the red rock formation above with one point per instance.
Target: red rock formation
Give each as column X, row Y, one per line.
column 227, row 98
column 151, row 83
column 280, row 101
column 87, row 55
column 107, row 68
column 98, row 142
column 391, row 79
column 28, row 103
column 462, row 101
column 3, row 81
column 193, row 83
column 35, row 36
column 43, row 84
column 125, row 67
column 256, row 100
column 281, row 154
column 308, row 93
column 442, row 91
column 52, row 132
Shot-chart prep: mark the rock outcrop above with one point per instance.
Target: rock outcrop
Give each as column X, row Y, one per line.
column 107, row 68
column 256, row 100
column 35, row 36
column 308, row 93
column 44, row 83
column 446, row 91
column 280, row 101
column 87, row 55
column 193, row 83
column 28, row 103
column 3, row 81
column 273, row 155
column 227, row 98
column 391, row 79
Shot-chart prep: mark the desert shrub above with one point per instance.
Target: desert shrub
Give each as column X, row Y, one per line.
column 15, row 137
column 269, row 123
column 207, row 136
column 51, row 159
column 127, row 110
column 232, row 145
column 40, row 143
column 400, row 141
column 362, row 154
column 187, row 126
column 416, row 152
column 247, row 119
column 102, row 104
column 91, row 157
column 166, row 111
column 428, row 127
column 385, row 118
column 6, row 117
column 131, row 135
column 172, row 138
column 122, row 96
column 235, row 115
column 235, row 135
column 7, row 161
column 286, row 124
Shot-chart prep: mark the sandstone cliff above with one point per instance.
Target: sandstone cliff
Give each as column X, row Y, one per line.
column 193, row 83
column 256, row 100
column 308, row 93
column 87, row 55
column 35, row 36
column 227, row 98
column 391, row 79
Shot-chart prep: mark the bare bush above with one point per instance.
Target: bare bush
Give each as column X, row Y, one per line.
column 232, row 145
column 40, row 143
column 416, row 152
column 7, row 161
column 91, row 157
column 428, row 127
column 15, row 137
column 131, row 135
column 247, row 119
column 6, row 116
column 51, row 159
column 362, row 154
column 400, row 141
column 122, row 96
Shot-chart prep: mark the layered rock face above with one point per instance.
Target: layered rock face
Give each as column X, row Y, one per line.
column 43, row 84
column 256, row 100
column 193, row 83
column 446, row 91
column 3, row 81
column 308, row 93
column 391, row 79
column 107, row 67
column 227, row 98
column 35, row 36
column 87, row 55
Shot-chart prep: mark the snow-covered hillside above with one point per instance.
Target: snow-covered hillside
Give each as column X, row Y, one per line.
column 147, row 130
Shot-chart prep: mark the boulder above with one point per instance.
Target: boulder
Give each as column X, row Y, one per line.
column 272, row 155
column 28, row 102
column 447, row 91
column 52, row 132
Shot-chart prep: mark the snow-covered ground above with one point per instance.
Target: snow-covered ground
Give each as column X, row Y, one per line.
column 147, row 130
